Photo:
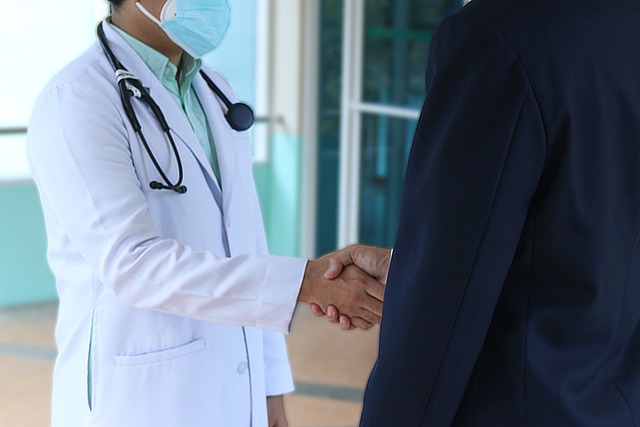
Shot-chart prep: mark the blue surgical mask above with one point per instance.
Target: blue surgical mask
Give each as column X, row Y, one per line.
column 197, row 26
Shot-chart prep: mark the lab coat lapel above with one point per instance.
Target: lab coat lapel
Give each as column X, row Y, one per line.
column 223, row 137
column 180, row 127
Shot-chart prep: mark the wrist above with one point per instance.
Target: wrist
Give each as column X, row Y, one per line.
column 307, row 282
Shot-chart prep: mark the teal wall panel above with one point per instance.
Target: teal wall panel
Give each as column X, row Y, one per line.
column 25, row 277
column 235, row 57
column 279, row 188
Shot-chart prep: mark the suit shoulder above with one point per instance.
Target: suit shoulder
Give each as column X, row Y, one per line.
column 550, row 25
column 499, row 13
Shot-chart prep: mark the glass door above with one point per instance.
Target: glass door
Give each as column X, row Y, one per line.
column 328, row 125
column 385, row 45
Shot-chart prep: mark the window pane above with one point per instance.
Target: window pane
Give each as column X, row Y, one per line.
column 385, row 150
column 13, row 158
column 330, row 78
column 397, row 35
column 38, row 38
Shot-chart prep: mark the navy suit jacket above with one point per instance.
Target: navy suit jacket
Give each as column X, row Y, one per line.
column 513, row 297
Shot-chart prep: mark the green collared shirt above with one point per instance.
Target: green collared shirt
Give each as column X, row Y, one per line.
column 177, row 81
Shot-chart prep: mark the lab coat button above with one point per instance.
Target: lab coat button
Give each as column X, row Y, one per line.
column 242, row 368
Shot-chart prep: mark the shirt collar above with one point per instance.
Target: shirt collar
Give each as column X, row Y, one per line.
column 160, row 65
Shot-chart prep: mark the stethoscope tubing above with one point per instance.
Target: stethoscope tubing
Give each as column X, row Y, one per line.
column 129, row 86
column 239, row 115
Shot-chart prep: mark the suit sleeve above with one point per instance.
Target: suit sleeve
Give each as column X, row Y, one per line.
column 475, row 163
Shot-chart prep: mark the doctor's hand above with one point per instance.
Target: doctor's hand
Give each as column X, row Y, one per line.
column 373, row 260
column 353, row 293
column 276, row 412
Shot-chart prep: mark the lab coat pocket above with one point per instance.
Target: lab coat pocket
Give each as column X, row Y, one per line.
column 160, row 356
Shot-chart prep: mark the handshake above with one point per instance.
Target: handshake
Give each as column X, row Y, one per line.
column 348, row 285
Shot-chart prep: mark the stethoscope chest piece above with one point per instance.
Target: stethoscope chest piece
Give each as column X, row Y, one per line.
column 240, row 116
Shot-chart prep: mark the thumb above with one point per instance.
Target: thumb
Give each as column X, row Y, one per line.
column 334, row 269
column 338, row 260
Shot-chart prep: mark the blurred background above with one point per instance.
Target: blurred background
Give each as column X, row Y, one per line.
column 337, row 86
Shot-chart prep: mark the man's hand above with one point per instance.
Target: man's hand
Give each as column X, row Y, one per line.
column 353, row 293
column 275, row 409
column 374, row 261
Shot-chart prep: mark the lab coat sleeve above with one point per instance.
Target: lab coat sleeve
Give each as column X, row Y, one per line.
column 278, row 378
column 81, row 161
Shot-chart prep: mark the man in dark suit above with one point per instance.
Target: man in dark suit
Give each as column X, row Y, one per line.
column 513, row 297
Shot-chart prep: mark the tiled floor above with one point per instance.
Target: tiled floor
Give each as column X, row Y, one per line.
column 330, row 367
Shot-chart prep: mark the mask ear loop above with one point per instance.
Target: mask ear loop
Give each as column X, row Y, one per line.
column 148, row 14
column 159, row 22
column 169, row 11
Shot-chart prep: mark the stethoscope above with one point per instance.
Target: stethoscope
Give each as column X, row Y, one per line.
column 238, row 115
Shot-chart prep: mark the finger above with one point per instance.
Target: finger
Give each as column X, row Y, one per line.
column 361, row 323
column 336, row 265
column 371, row 304
column 357, row 300
column 333, row 314
column 371, row 311
column 375, row 289
column 334, row 269
column 315, row 309
column 338, row 260
column 345, row 323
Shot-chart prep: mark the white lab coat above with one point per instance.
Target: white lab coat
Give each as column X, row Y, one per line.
column 163, row 296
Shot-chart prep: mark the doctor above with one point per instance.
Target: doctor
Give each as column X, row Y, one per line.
column 171, row 311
